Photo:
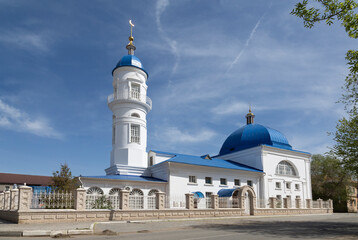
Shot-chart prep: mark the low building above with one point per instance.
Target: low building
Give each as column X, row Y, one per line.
column 9, row 181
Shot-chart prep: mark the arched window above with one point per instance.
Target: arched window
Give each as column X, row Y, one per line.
column 136, row 192
column 94, row 191
column 136, row 200
column 152, row 192
column 135, row 115
column 114, row 191
column 285, row 168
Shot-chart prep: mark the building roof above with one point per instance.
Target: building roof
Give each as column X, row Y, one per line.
column 11, row 178
column 127, row 178
column 213, row 162
column 252, row 135
column 130, row 60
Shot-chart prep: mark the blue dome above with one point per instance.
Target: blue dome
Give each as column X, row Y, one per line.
column 130, row 60
column 253, row 135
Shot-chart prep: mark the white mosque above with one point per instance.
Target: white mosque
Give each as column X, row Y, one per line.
column 254, row 157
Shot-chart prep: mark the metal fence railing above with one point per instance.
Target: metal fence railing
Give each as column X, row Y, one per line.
column 52, row 200
column 175, row 201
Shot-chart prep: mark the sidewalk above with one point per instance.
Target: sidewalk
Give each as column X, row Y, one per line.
column 116, row 227
column 44, row 229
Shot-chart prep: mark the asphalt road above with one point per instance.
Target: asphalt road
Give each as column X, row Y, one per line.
column 336, row 226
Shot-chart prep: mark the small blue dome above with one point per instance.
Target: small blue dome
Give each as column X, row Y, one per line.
column 130, row 60
column 252, row 135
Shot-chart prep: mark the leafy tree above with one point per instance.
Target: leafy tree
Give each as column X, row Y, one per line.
column 345, row 12
column 62, row 180
column 330, row 180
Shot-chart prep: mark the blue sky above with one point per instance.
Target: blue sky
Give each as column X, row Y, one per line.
column 207, row 62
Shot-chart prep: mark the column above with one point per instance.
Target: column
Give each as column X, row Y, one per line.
column 14, row 199
column 298, row 202
column 214, row 201
column 330, row 203
column 160, row 200
column 285, row 202
column 272, row 202
column 7, row 200
column 319, row 203
column 308, row 203
column 189, row 200
column 2, row 201
column 124, row 199
column 80, row 199
column 25, row 197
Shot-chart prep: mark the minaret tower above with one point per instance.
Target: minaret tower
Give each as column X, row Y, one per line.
column 130, row 105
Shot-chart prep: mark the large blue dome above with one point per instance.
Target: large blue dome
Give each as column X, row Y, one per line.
column 252, row 135
column 130, row 60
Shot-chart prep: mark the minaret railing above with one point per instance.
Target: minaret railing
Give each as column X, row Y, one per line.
column 132, row 95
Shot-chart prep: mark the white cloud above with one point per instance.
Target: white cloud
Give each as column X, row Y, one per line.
column 160, row 8
column 174, row 134
column 16, row 120
column 253, row 31
column 25, row 40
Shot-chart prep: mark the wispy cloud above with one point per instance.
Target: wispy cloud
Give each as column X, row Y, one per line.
column 25, row 40
column 13, row 119
column 160, row 8
column 253, row 31
column 174, row 134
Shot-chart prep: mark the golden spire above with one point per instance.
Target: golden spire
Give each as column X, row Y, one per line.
column 130, row 45
column 250, row 117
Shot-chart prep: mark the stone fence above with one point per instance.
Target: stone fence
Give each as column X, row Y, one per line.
column 15, row 206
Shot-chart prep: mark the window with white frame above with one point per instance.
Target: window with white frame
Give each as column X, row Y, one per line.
column 278, row 185
column 237, row 182
column 249, row 183
column 208, row 180
column 223, row 181
column 135, row 134
column 192, row 179
column 285, row 168
column 297, row 186
column 135, row 91
column 288, row 185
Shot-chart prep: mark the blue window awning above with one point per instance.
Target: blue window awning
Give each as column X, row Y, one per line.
column 198, row 195
column 226, row 192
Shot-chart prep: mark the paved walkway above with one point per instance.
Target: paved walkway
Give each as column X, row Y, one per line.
column 339, row 226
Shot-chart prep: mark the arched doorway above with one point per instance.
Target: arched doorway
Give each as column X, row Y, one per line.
column 246, row 199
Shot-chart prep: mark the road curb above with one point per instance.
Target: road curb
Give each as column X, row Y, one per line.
column 45, row 233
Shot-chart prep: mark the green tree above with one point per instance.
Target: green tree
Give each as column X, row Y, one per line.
column 62, row 180
column 330, row 180
column 345, row 12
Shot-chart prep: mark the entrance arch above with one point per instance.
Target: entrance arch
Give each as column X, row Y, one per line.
column 246, row 198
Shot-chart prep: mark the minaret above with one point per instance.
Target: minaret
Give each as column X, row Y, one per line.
column 130, row 105
column 250, row 117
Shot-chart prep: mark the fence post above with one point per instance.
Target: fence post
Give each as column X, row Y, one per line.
column 189, row 200
column 80, row 199
column 330, row 203
column 124, row 199
column 7, row 200
column 214, row 201
column 308, row 203
column 14, row 197
column 2, row 201
column 319, row 203
column 160, row 200
column 272, row 202
column 25, row 197
column 285, row 202
column 298, row 202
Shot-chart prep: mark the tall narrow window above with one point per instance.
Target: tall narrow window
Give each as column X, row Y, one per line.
column 135, row 91
column 135, row 135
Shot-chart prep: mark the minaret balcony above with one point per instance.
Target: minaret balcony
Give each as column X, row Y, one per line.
column 131, row 96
